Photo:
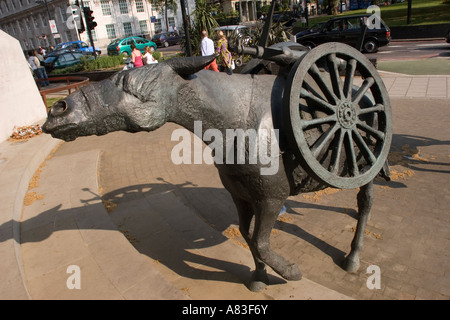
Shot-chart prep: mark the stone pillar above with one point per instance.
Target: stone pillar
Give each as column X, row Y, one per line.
column 21, row 104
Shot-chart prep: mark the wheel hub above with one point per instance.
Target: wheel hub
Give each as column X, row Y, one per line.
column 346, row 114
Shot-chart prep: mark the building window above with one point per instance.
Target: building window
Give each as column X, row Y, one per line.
column 144, row 27
column 36, row 22
column 69, row 36
column 139, row 5
column 127, row 29
column 20, row 26
column 63, row 14
column 106, row 8
column 94, row 35
column 111, row 31
column 123, row 6
column 158, row 26
column 44, row 20
column 27, row 23
column 171, row 22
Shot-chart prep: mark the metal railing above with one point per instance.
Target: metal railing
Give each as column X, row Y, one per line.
column 72, row 83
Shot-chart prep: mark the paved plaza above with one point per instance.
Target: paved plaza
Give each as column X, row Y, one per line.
column 140, row 227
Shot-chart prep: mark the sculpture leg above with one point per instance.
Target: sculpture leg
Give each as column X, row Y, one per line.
column 365, row 200
column 259, row 278
column 266, row 213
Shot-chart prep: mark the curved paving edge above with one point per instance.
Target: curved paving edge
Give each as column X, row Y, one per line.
column 69, row 226
column 20, row 160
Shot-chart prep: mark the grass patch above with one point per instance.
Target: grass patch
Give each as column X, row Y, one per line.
column 51, row 102
column 423, row 12
column 434, row 66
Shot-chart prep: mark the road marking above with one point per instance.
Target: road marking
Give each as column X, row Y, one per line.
column 432, row 44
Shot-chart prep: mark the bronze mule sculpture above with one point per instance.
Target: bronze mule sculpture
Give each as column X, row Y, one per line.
column 179, row 91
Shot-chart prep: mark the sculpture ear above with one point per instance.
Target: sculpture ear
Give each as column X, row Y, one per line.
column 189, row 65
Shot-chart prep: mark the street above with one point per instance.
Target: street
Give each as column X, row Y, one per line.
column 412, row 50
column 396, row 50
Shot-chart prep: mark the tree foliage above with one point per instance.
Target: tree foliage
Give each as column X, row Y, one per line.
column 165, row 5
column 202, row 20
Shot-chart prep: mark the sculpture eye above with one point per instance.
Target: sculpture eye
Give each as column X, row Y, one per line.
column 59, row 108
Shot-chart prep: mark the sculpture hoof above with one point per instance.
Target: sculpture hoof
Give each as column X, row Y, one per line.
column 351, row 265
column 257, row 286
column 259, row 281
column 292, row 273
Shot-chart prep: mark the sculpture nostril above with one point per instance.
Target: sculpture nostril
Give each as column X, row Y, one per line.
column 59, row 108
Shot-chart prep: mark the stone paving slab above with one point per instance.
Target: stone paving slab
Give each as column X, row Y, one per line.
column 400, row 85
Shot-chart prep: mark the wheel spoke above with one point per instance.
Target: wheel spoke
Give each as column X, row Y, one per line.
column 349, row 74
column 351, row 156
column 317, row 76
column 364, row 147
column 376, row 108
column 323, row 140
column 325, row 106
column 336, row 155
column 312, row 91
column 368, row 82
column 308, row 123
column 377, row 133
column 334, row 76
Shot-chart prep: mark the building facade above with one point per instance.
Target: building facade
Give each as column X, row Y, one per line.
column 49, row 22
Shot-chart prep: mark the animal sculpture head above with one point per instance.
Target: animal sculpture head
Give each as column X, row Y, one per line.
column 133, row 100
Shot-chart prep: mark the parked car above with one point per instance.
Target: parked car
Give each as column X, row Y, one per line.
column 348, row 29
column 123, row 45
column 166, row 39
column 63, row 59
column 447, row 37
column 78, row 45
column 315, row 28
column 237, row 31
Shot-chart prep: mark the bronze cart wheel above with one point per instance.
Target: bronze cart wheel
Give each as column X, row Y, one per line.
column 338, row 116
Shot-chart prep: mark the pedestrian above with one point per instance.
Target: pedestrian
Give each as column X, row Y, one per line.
column 136, row 56
column 38, row 70
column 225, row 54
column 207, row 46
column 38, row 55
column 42, row 51
column 148, row 56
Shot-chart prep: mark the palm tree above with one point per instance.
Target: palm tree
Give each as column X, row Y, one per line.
column 203, row 20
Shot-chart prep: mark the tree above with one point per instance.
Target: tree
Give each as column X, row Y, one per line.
column 203, row 20
column 166, row 5
column 333, row 7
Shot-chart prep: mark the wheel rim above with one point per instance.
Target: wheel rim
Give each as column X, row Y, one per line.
column 339, row 128
column 370, row 46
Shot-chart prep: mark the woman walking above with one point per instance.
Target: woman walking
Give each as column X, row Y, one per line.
column 222, row 49
column 136, row 56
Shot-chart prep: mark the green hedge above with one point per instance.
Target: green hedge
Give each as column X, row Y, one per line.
column 91, row 64
column 102, row 62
